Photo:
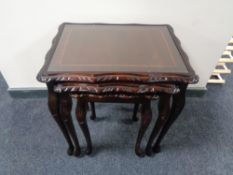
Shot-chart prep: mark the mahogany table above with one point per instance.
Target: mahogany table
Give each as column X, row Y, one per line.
column 126, row 63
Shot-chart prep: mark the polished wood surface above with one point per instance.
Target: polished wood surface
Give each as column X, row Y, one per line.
column 116, row 48
column 53, row 103
column 178, row 103
column 135, row 76
column 120, row 63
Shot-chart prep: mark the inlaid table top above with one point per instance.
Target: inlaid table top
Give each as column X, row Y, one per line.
column 116, row 52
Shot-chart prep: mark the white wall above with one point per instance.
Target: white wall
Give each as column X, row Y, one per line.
column 28, row 26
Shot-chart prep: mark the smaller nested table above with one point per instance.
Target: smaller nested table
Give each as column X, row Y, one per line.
column 116, row 63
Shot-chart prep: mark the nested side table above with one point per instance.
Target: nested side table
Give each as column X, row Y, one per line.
column 116, row 63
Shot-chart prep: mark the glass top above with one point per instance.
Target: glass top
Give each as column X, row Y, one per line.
column 116, row 48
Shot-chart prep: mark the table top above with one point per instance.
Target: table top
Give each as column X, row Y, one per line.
column 116, row 48
column 106, row 52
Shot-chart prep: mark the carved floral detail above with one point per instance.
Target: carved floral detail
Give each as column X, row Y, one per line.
column 115, row 88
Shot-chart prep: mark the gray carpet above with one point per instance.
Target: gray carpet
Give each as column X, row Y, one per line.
column 200, row 142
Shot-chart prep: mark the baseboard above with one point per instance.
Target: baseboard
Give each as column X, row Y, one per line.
column 196, row 91
column 28, row 92
column 42, row 92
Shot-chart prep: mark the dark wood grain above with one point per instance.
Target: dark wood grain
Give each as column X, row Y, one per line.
column 53, row 103
column 65, row 105
column 115, row 88
column 178, row 103
column 93, row 113
column 110, row 48
column 164, row 112
column 138, row 85
column 81, row 117
column 146, row 116
column 101, row 77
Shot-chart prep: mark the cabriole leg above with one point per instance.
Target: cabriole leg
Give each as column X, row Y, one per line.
column 65, row 111
column 81, row 117
column 93, row 114
column 164, row 111
column 146, row 115
column 53, row 104
column 178, row 103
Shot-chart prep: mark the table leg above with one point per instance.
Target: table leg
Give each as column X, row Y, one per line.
column 53, row 104
column 93, row 114
column 178, row 103
column 146, row 115
column 164, row 112
column 135, row 111
column 81, row 117
column 65, row 110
